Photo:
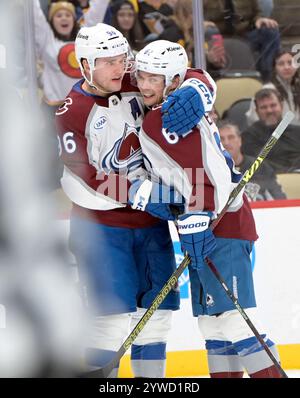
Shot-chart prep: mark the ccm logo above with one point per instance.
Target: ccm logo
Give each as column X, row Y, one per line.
column 194, row 225
column 204, row 89
column 206, row 93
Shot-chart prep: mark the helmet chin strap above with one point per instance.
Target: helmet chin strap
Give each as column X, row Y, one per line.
column 98, row 87
column 95, row 86
column 165, row 94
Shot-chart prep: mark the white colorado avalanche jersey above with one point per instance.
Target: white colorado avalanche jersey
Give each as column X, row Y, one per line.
column 100, row 149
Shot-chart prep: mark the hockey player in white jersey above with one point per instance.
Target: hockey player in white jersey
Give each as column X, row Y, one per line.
column 120, row 251
column 125, row 255
column 204, row 174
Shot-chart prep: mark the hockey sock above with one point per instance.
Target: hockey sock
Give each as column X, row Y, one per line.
column 267, row 373
column 149, row 360
column 255, row 359
column 223, row 360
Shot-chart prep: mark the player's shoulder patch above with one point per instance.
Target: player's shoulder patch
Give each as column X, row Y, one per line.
column 64, row 107
column 73, row 113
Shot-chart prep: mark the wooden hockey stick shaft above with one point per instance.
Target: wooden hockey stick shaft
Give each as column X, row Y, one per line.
column 172, row 281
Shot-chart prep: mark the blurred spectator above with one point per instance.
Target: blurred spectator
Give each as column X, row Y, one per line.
column 179, row 29
column 125, row 19
column 286, row 13
column 55, row 45
column 153, row 13
column 285, row 156
column 62, row 19
column 81, row 7
column 135, row 5
column 286, row 80
column 266, row 7
column 214, row 51
column 244, row 18
column 165, row 7
column 263, row 185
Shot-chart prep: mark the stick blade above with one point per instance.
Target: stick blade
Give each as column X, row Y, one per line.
column 287, row 119
column 101, row 373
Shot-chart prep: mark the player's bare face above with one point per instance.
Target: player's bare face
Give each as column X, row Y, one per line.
column 108, row 73
column 151, row 87
column 63, row 22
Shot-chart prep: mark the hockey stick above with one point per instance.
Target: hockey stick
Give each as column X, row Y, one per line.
column 245, row 316
column 106, row 370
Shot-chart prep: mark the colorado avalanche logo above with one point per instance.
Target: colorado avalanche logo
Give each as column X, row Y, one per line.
column 126, row 154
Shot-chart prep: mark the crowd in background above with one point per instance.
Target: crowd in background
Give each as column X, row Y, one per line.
column 57, row 23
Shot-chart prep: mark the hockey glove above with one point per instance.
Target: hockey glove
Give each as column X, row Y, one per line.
column 155, row 198
column 196, row 237
column 182, row 110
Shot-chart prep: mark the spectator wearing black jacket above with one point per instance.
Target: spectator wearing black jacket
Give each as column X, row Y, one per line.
column 285, row 156
column 263, row 185
column 157, row 8
column 179, row 28
column 245, row 19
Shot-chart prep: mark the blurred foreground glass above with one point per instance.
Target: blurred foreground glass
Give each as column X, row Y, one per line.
column 41, row 319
